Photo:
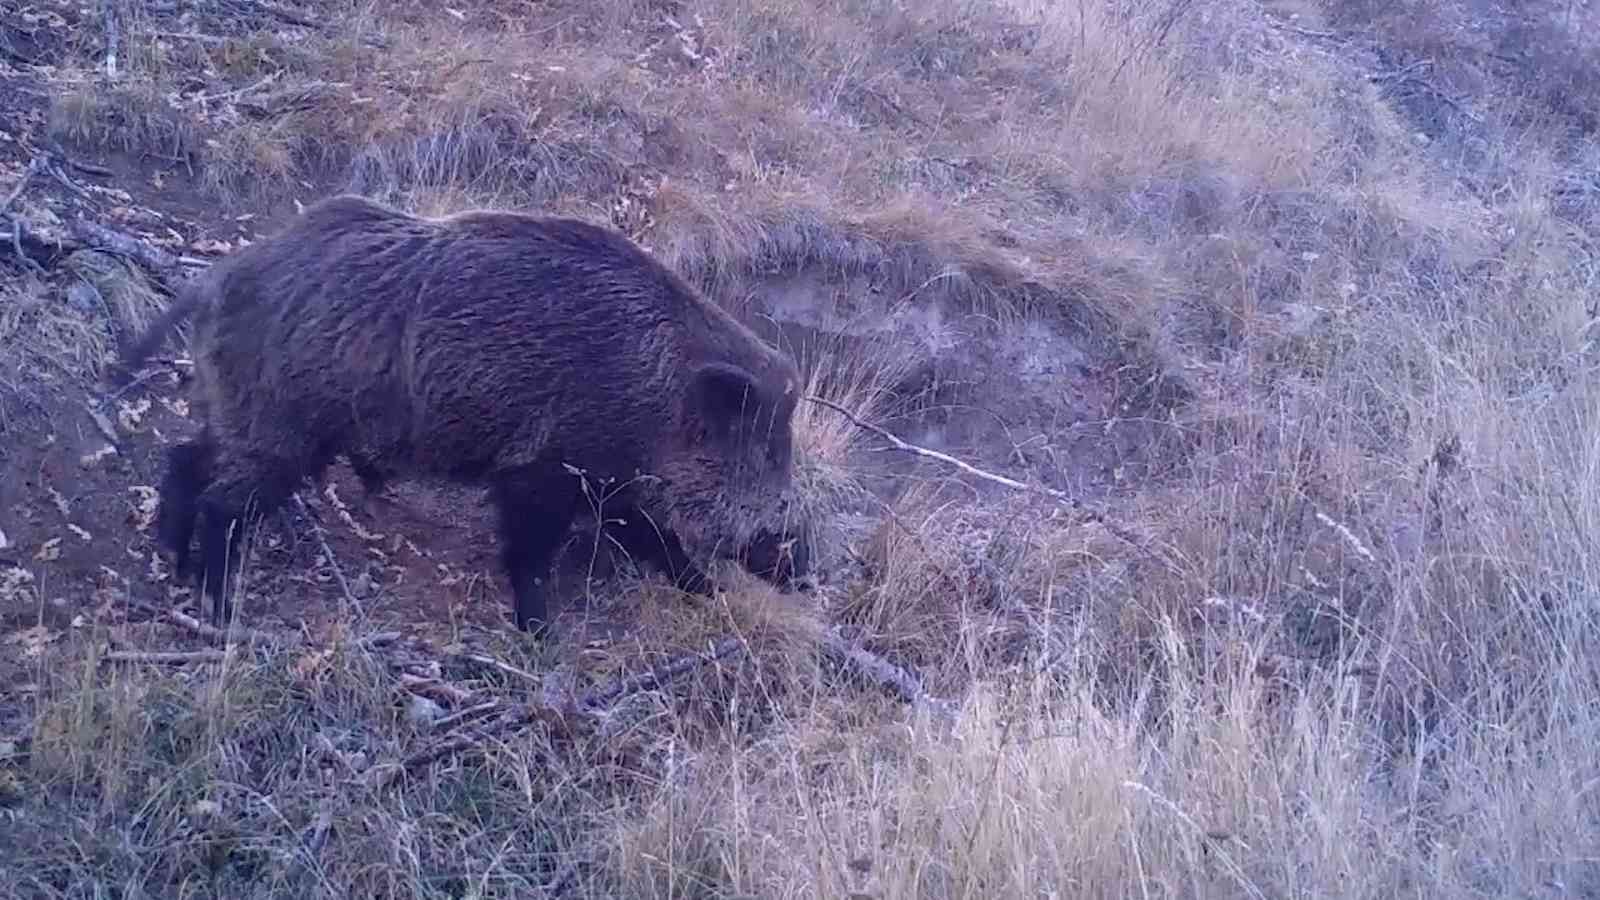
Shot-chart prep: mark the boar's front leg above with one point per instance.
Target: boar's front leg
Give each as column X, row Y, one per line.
column 536, row 505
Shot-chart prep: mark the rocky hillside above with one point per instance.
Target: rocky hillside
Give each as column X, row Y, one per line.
column 1295, row 299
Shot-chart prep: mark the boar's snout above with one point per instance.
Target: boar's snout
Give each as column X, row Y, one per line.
column 781, row 557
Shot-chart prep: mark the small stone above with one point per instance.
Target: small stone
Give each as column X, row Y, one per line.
column 423, row 711
column 83, row 297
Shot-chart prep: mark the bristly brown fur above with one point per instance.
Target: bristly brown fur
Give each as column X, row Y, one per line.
column 485, row 347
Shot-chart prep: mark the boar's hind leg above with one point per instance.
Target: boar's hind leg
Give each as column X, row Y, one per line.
column 536, row 508
column 247, row 485
column 187, row 475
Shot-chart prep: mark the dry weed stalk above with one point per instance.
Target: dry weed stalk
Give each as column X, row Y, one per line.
column 1059, row 496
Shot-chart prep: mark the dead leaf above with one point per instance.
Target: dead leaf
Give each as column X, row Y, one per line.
column 211, row 245
column 145, row 506
column 129, row 414
column 49, row 550
column 61, row 504
column 107, row 430
column 308, row 665
column 33, row 640
column 14, row 585
column 89, row 460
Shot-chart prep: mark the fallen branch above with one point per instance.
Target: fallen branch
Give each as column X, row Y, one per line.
column 169, row 268
column 522, row 715
column 86, row 235
column 885, row 674
column 165, row 657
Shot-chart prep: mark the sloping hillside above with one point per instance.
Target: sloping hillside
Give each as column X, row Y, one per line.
column 1296, row 298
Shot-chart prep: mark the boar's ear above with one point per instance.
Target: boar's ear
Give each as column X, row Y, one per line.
column 721, row 396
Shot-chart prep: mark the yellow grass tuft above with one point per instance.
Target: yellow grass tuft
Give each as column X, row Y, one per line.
column 1335, row 323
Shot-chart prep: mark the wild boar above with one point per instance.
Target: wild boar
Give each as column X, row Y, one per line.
column 487, row 347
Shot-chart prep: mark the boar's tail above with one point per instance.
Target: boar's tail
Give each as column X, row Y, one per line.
column 188, row 299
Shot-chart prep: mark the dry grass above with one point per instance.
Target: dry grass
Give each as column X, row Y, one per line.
column 1355, row 656
column 50, row 341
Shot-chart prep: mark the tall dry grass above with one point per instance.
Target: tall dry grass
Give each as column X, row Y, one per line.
column 1353, row 656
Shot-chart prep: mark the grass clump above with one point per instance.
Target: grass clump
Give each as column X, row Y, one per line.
column 1336, row 307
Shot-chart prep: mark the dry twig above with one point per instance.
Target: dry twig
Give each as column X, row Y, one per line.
column 327, row 551
column 924, row 452
column 165, row 657
column 198, row 628
column 437, row 690
column 907, row 447
column 486, row 662
column 469, row 714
